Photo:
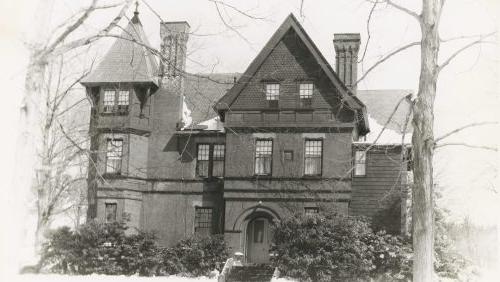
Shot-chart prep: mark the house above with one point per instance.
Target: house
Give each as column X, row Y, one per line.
column 186, row 154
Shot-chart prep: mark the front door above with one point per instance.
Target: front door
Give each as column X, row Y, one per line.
column 258, row 240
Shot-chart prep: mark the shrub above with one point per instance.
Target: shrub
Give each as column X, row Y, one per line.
column 196, row 256
column 102, row 248
column 337, row 248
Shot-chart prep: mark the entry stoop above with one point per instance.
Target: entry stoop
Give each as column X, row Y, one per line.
column 251, row 273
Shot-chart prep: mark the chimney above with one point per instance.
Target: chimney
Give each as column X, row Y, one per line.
column 346, row 57
column 174, row 37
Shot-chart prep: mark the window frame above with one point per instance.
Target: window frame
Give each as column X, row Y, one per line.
column 197, row 217
column 306, row 101
column 116, row 105
column 115, row 205
column 211, row 159
column 270, row 156
column 106, row 166
column 356, row 163
column 272, row 95
column 320, row 156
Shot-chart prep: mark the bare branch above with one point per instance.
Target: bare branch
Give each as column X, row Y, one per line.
column 416, row 43
column 239, row 11
column 467, row 145
column 228, row 25
column 479, row 41
column 368, row 30
column 401, row 8
column 465, row 127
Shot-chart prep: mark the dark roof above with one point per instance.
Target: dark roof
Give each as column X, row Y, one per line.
column 202, row 91
column 381, row 103
column 292, row 23
column 127, row 60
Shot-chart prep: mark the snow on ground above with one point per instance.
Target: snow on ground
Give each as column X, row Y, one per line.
column 95, row 277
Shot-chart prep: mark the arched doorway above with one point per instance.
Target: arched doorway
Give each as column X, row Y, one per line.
column 258, row 239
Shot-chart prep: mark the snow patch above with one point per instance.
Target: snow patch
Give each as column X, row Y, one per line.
column 96, row 277
column 213, row 124
column 186, row 114
column 389, row 136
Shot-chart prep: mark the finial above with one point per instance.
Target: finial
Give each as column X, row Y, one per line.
column 135, row 19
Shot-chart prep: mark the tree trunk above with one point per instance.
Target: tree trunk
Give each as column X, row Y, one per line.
column 423, row 145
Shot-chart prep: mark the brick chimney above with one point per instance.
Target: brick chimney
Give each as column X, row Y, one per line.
column 174, row 37
column 346, row 57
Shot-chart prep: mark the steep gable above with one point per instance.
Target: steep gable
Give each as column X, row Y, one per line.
column 128, row 59
column 291, row 53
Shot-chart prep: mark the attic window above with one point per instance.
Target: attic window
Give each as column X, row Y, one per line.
column 116, row 101
column 306, row 91
column 272, row 94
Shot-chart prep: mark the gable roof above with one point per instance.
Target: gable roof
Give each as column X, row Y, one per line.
column 291, row 23
column 127, row 61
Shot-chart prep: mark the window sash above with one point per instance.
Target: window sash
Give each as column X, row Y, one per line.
column 272, row 91
column 123, row 98
column 114, row 151
column 263, row 157
column 306, row 90
column 210, row 160
column 311, row 210
column 203, row 221
column 360, row 163
column 110, row 212
column 313, row 157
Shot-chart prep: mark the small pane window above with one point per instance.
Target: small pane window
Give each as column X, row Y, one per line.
column 203, row 159
column 109, row 100
column 360, row 163
column 218, row 160
column 306, row 90
column 123, row 96
column 203, row 221
column 311, row 210
column 263, row 157
column 114, row 155
column 272, row 91
column 313, row 157
column 110, row 212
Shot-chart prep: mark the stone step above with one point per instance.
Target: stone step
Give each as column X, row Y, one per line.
column 251, row 273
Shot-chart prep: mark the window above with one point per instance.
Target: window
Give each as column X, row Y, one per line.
column 305, row 93
column 116, row 101
column 203, row 160
column 263, row 157
column 360, row 163
column 110, row 212
column 218, row 160
column 203, row 221
column 288, row 155
column 311, row 210
column 114, row 156
column 273, row 94
column 210, row 160
column 313, row 157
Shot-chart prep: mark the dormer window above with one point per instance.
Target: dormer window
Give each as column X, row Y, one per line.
column 116, row 101
column 305, row 93
column 273, row 94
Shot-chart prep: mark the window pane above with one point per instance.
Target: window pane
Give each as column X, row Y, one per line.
column 110, row 212
column 203, row 221
column 219, row 152
column 272, row 91
column 313, row 157
column 311, row 210
column 258, row 231
column 203, row 152
column 263, row 157
column 123, row 98
column 360, row 163
column 114, row 155
column 109, row 97
column 306, row 90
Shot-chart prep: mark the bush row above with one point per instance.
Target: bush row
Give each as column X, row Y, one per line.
column 105, row 248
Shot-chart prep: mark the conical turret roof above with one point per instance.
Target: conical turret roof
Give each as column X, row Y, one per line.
column 128, row 59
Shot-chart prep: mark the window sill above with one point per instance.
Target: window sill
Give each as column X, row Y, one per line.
column 316, row 176
column 114, row 113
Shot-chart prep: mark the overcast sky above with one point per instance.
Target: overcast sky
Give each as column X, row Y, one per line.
column 467, row 90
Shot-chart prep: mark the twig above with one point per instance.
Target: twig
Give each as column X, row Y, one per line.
column 368, row 31
column 467, row 145
column 465, row 127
